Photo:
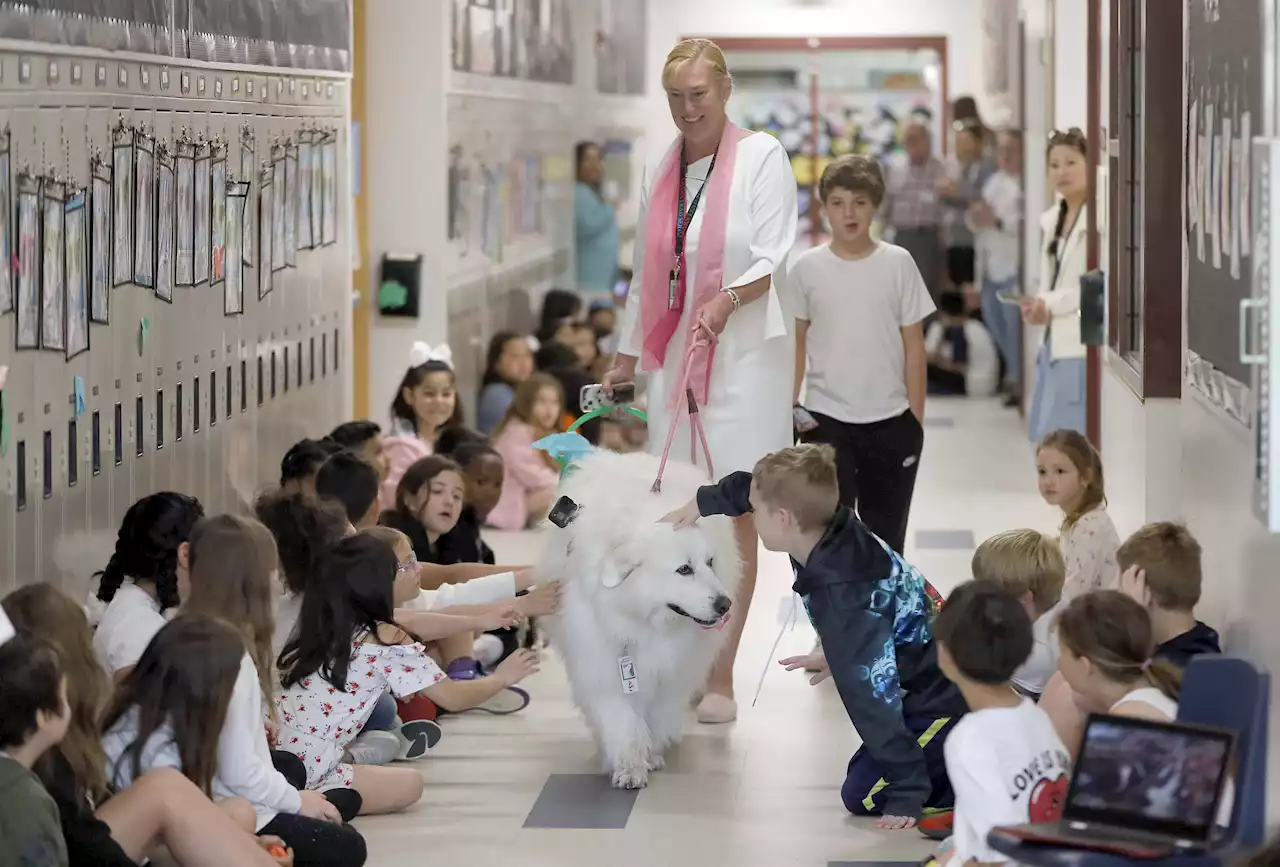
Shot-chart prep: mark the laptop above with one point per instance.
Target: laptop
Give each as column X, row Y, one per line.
column 1140, row 789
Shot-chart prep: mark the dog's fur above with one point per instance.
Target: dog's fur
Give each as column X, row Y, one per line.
column 619, row 570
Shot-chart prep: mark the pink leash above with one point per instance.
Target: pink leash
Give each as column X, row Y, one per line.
column 695, row 420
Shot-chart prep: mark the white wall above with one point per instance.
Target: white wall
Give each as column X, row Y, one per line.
column 406, row 68
column 959, row 20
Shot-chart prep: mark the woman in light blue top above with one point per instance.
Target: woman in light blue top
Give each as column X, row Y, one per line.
column 595, row 224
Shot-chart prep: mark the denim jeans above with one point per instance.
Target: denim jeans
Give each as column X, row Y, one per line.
column 1004, row 321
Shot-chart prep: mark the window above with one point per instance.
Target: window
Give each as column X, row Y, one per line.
column 1145, row 179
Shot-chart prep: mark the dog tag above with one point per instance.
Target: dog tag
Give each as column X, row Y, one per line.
column 627, row 673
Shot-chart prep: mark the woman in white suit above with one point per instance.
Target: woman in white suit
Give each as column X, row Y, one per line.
column 717, row 220
column 1059, row 400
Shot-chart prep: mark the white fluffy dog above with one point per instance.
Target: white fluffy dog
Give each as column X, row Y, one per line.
column 641, row 600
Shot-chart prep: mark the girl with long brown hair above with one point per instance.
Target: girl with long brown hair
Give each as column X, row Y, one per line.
column 233, row 563
column 1070, row 476
column 161, row 809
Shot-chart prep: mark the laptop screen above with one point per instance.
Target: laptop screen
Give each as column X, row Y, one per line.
column 1162, row 778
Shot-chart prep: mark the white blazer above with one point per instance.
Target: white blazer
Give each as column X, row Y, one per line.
column 1062, row 297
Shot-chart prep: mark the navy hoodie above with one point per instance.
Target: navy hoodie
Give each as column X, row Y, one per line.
column 1181, row 648
column 873, row 615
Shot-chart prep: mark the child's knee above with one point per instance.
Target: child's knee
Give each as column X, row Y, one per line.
column 241, row 812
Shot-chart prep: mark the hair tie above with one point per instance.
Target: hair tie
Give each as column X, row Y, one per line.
column 423, row 353
column 1146, row 666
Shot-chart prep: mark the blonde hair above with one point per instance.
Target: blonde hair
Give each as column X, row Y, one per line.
column 1022, row 561
column 801, row 480
column 1170, row 557
column 690, row 50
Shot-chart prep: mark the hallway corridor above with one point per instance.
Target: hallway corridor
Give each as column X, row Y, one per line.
column 762, row 792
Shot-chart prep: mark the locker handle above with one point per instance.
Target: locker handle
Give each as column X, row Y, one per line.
column 1247, row 357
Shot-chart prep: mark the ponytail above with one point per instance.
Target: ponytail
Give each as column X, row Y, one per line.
column 110, row 578
column 1164, row 676
column 1057, row 230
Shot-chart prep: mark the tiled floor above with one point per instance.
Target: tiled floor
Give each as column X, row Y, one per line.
column 762, row 792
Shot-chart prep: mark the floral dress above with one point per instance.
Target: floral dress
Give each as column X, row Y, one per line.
column 1089, row 552
column 317, row 720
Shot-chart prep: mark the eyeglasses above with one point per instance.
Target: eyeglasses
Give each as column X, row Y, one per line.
column 410, row 565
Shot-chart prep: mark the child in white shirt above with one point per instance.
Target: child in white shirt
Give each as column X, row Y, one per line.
column 860, row 353
column 1029, row 566
column 1005, row 761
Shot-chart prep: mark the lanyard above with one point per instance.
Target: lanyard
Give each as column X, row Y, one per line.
column 684, row 220
column 1060, row 253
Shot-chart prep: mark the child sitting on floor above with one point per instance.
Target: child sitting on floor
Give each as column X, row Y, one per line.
column 1162, row 572
column 531, row 476
column 873, row 617
column 346, row 652
column 1029, row 566
column 1005, row 750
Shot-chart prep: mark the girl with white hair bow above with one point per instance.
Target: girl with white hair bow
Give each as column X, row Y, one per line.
column 425, row 404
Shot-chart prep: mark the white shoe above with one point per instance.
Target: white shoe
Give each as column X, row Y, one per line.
column 373, row 748
column 717, row 709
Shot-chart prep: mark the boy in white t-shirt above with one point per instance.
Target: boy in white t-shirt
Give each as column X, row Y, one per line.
column 1029, row 566
column 1005, row 761
column 860, row 353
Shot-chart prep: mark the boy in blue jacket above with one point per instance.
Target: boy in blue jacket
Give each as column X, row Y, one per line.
column 872, row 611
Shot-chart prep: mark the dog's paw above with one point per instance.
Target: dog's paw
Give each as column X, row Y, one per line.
column 630, row 778
column 657, row 761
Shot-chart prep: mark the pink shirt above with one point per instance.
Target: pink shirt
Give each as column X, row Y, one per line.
column 402, row 451
column 526, row 470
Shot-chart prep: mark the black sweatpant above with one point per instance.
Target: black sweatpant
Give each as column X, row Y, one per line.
column 317, row 842
column 876, row 464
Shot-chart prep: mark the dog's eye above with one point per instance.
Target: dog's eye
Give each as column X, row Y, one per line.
column 686, row 569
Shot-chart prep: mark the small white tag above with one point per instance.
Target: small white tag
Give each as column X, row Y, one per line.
column 627, row 673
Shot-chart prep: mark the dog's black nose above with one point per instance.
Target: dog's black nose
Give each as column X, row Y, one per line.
column 721, row 605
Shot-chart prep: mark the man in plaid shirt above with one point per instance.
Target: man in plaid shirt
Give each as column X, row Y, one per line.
column 913, row 209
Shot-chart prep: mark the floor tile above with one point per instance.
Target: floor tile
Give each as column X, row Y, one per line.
column 945, row 540
column 581, row 801
column 939, row 422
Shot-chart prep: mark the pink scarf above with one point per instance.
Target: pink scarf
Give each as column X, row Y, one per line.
column 658, row 322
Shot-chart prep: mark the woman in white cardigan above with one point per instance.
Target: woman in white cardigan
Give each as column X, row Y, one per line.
column 1059, row 400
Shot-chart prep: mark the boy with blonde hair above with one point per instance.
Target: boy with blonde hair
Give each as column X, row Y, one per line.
column 873, row 613
column 1161, row 569
column 1029, row 566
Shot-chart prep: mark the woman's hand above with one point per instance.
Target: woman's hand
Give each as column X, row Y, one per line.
column 622, row 372
column 713, row 317
column 981, row 215
column 1034, row 311
column 685, row 516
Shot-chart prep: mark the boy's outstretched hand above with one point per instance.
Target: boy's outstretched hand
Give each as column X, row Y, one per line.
column 814, row 662
column 685, row 516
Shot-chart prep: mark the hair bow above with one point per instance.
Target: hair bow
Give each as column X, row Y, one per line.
column 422, row 353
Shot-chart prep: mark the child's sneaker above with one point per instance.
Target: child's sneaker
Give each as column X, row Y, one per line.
column 937, row 826
column 463, row 668
column 415, row 738
column 373, row 748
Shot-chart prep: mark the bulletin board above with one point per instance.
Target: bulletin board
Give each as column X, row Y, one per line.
column 1224, row 111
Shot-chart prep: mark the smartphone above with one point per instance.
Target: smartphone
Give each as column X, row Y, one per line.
column 1009, row 298
column 803, row 421
column 594, row 397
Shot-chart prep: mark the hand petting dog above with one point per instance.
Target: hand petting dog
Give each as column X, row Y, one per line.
column 685, row 516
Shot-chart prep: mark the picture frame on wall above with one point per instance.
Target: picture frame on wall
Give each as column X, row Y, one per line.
column 166, row 234
column 6, row 224
column 279, row 200
column 100, row 241
column 306, row 240
column 202, row 224
column 76, row 271
column 122, row 163
column 144, row 204
column 184, row 257
column 233, row 286
column 218, row 211
column 266, row 205
column 248, row 171
column 53, row 285
column 27, row 334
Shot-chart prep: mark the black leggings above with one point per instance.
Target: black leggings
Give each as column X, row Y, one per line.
column 316, row 842
column 348, row 801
